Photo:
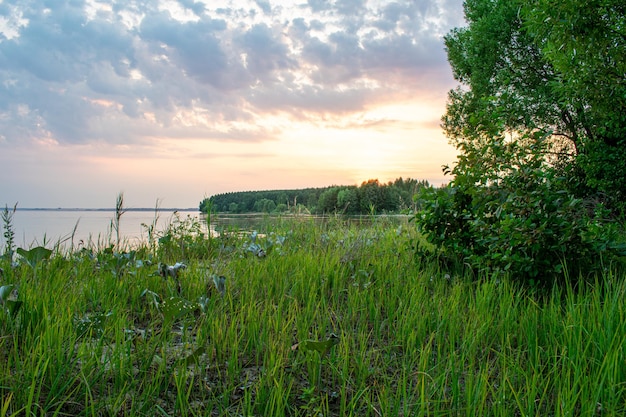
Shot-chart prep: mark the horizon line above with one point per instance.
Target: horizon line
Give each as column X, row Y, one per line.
column 106, row 209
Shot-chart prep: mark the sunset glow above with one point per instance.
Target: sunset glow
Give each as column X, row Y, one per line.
column 177, row 100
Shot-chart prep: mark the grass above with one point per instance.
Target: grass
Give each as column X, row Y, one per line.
column 95, row 336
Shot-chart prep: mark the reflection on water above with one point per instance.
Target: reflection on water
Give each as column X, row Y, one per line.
column 93, row 227
column 263, row 222
column 74, row 227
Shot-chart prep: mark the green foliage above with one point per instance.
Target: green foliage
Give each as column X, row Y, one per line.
column 392, row 197
column 415, row 339
column 348, row 201
column 605, row 170
column 374, row 198
column 327, row 201
column 557, row 68
column 584, row 41
column 119, row 263
column 9, row 233
column 540, row 172
column 92, row 325
column 34, row 256
column 321, row 346
column 174, row 308
column 246, row 201
column 503, row 216
column 9, row 301
column 264, row 205
column 182, row 238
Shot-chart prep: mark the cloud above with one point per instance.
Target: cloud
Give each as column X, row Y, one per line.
column 83, row 71
column 193, row 47
column 351, row 7
column 264, row 5
column 319, row 5
column 265, row 52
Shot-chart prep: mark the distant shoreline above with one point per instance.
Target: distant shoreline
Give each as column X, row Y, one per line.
column 106, row 209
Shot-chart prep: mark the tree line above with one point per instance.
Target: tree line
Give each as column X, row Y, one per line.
column 371, row 197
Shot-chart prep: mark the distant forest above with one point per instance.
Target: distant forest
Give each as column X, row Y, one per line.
column 371, row 197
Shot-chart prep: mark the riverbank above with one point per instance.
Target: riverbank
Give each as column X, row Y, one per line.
column 329, row 319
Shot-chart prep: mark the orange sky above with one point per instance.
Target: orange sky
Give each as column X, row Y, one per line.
column 174, row 104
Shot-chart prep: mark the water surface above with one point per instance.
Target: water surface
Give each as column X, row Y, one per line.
column 47, row 227
column 80, row 227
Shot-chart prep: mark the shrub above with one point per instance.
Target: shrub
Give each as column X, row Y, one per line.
column 521, row 220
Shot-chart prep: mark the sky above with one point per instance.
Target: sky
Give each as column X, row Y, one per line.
column 172, row 101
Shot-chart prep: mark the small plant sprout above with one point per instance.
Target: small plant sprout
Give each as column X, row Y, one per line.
column 220, row 283
column 8, row 299
column 203, row 303
column 92, row 325
column 320, row 346
column 174, row 308
column 253, row 247
column 152, row 297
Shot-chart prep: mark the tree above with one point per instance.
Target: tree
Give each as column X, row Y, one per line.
column 334, row 199
column 369, row 196
column 531, row 145
column 554, row 67
column 264, row 205
column 327, row 202
column 348, row 200
column 585, row 41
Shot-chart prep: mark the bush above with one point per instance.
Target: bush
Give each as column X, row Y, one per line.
column 524, row 222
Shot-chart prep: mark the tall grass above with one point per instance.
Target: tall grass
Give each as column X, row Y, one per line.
column 94, row 335
column 116, row 221
column 6, row 216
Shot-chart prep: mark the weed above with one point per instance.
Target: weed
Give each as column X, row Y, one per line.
column 119, row 212
column 9, row 233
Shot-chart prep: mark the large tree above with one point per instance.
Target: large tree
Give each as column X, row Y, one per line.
column 543, row 66
column 539, row 122
column 585, row 41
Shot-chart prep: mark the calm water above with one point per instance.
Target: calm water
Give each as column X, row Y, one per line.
column 48, row 227
column 36, row 227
